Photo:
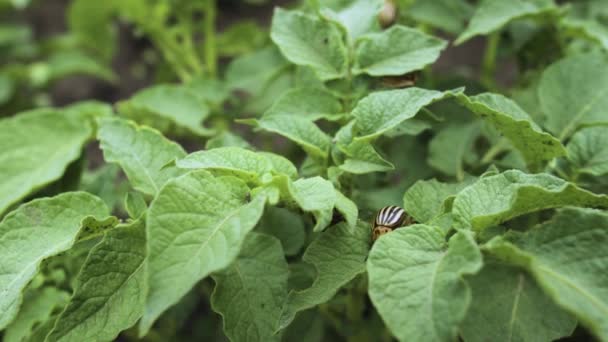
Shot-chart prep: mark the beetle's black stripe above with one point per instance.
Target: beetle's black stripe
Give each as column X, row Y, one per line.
column 390, row 216
column 396, row 217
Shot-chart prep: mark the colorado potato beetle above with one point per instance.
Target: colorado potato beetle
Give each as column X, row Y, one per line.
column 388, row 219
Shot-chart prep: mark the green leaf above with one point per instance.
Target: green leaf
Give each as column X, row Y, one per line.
column 310, row 41
column 281, row 164
column 135, row 204
column 496, row 199
column 572, row 93
column 508, row 305
column 91, row 22
column 299, row 130
column 65, row 63
column 590, row 29
column 286, row 226
column 492, row 15
column 38, row 306
column 232, row 160
column 92, row 227
column 396, row 51
column 567, row 257
column 448, row 15
column 142, row 153
column 309, row 103
column 7, row 87
column 448, row 149
column 317, row 196
column 362, row 158
column 427, row 199
column 588, row 151
column 111, row 288
column 250, row 292
column 347, row 208
column 357, row 17
column 167, row 106
column 255, row 71
column 416, row 281
column 35, row 149
column 381, row 111
column 227, row 139
column 240, row 38
column 102, row 183
column 536, row 146
column 196, row 226
column 35, row 231
column 338, row 255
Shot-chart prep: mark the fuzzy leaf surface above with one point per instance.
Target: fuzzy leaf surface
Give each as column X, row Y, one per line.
column 381, row 111
column 249, row 293
column 111, row 290
column 35, row 149
column 196, row 225
column 35, row 231
column 496, row 199
column 309, row 41
column 416, row 281
column 396, row 51
column 537, row 147
column 568, row 259
column 573, row 93
column 492, row 15
column 508, row 305
column 338, row 255
column 140, row 151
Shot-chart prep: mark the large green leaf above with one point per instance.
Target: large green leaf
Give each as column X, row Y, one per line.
column 249, row 293
column 568, row 258
column 166, row 107
column 573, row 92
column 508, row 305
column 310, row 41
column 310, row 103
column 448, row 15
column 239, row 161
column 396, row 51
column 300, row 130
column 415, row 281
column 35, row 231
column 498, row 198
column 254, row 71
column 590, row 29
column 35, row 149
column 338, row 255
column 448, row 149
column 363, row 158
column 317, row 196
column 588, row 151
column 357, row 16
column 427, row 199
column 536, row 146
column 381, row 111
column 38, row 306
column 285, row 225
column 196, row 226
column 142, row 153
column 111, row 288
column 492, row 15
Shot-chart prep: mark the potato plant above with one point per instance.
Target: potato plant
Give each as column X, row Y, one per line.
column 232, row 197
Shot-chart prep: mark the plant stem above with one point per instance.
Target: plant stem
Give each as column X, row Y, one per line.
column 494, row 151
column 489, row 61
column 210, row 46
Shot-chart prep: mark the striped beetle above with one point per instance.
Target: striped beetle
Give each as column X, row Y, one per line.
column 388, row 219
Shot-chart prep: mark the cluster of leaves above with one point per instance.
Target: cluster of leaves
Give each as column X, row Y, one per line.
column 506, row 183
